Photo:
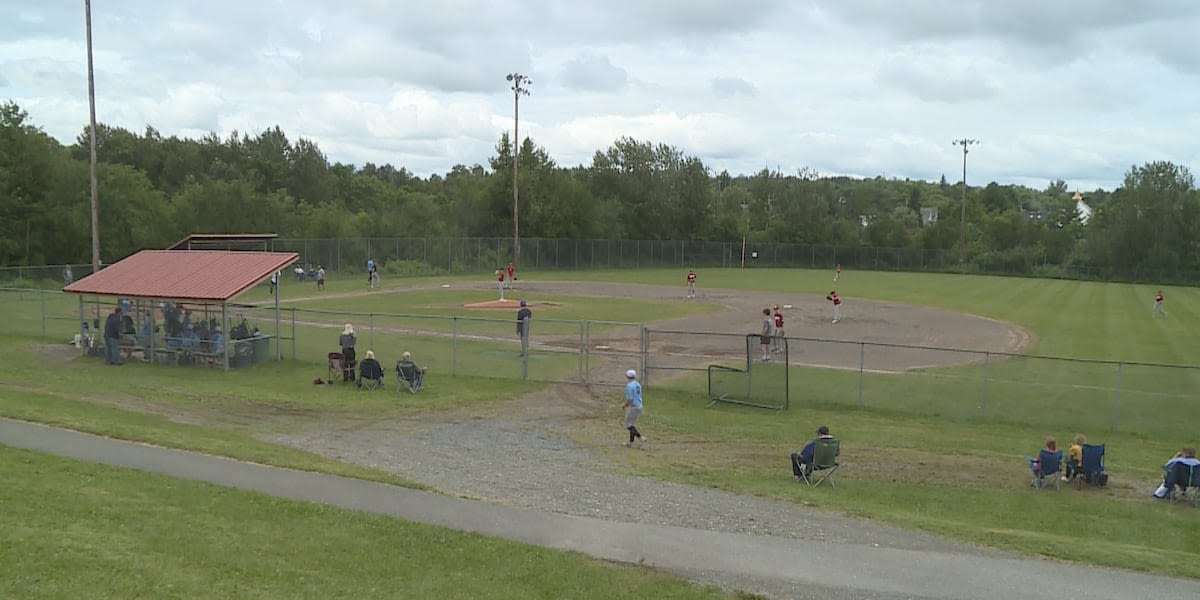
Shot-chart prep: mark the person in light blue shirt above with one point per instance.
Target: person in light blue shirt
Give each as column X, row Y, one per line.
column 633, row 407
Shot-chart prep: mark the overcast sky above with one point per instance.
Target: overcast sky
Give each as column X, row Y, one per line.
column 1077, row 90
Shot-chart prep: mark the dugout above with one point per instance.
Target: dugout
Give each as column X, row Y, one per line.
column 151, row 282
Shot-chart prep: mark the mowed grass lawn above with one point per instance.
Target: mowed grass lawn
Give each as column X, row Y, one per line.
column 77, row 530
column 963, row 478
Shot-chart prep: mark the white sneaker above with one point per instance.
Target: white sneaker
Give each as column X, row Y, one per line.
column 643, row 439
column 836, row 320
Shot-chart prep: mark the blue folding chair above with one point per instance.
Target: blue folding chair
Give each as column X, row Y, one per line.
column 1184, row 484
column 1046, row 466
column 1091, row 467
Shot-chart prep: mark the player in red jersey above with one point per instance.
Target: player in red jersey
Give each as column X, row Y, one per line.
column 837, row 305
column 500, row 278
column 691, row 281
column 512, row 274
column 1158, row 306
column 777, row 339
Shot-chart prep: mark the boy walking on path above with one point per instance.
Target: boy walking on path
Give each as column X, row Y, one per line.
column 691, row 281
column 320, row 277
column 837, row 305
column 1158, row 306
column 633, row 406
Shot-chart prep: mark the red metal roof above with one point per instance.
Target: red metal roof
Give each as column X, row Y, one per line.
column 200, row 275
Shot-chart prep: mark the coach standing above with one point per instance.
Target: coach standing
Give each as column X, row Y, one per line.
column 523, row 316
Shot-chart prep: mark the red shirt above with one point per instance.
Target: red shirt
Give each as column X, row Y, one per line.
column 1158, row 297
column 836, row 299
column 500, row 277
column 511, row 270
column 778, row 320
column 691, row 278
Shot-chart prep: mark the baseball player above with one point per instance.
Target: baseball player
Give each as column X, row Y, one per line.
column 777, row 339
column 691, row 283
column 837, row 305
column 837, row 271
column 1158, row 306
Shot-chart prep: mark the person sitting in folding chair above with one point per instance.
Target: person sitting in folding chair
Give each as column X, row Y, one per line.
column 1047, row 466
column 1091, row 467
column 819, row 454
column 1178, row 472
column 409, row 373
column 370, row 372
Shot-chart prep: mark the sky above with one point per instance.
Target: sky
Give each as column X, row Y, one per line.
column 1077, row 90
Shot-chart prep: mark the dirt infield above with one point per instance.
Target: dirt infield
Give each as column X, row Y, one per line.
column 899, row 337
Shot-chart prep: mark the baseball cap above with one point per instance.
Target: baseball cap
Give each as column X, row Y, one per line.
column 522, row 302
column 631, row 374
column 823, row 430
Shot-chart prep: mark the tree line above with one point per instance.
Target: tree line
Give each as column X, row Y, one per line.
column 154, row 190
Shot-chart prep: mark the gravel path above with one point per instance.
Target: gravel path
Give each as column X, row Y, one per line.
column 530, row 465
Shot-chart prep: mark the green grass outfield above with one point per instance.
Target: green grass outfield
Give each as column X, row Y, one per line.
column 78, row 530
column 919, row 454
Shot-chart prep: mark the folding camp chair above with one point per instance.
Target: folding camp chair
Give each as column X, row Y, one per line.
column 1091, row 467
column 825, row 453
column 409, row 376
column 367, row 385
column 1046, row 468
column 1186, row 486
column 337, row 366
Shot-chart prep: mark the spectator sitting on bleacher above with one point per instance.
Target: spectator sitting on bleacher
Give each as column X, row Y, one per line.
column 241, row 331
column 191, row 340
column 218, row 341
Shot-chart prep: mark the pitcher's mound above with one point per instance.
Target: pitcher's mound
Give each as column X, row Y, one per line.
column 496, row 304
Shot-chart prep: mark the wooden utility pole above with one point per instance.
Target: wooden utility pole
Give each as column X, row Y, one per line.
column 87, row 9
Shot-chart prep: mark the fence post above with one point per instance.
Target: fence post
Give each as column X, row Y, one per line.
column 587, row 351
column 453, row 345
column 371, row 329
column 294, row 332
column 983, row 402
column 1117, row 397
column 645, row 351
column 862, row 368
column 42, row 296
column 582, row 347
column 525, row 348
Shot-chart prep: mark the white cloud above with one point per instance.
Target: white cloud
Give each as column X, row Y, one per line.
column 1076, row 89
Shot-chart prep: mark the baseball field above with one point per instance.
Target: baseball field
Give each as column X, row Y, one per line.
column 936, row 384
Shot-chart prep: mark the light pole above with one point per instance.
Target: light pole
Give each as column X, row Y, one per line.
column 962, row 224
column 520, row 87
column 87, row 10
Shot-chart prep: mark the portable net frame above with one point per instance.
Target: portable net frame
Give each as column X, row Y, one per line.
column 758, row 383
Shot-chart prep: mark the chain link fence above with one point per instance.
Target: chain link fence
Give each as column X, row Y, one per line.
column 1044, row 393
column 433, row 256
column 1047, row 394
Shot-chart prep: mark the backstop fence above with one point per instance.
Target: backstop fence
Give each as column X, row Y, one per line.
column 1046, row 394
